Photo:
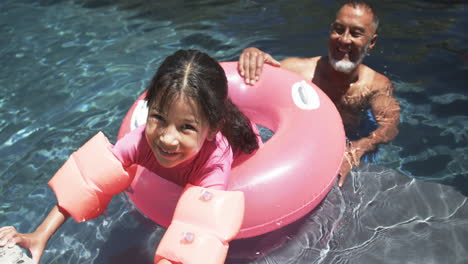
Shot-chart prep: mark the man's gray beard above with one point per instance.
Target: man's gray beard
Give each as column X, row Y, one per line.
column 347, row 66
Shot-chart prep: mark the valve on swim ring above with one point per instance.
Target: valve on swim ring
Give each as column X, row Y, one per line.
column 304, row 96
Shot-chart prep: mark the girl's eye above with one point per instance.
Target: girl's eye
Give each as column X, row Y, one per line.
column 189, row 127
column 157, row 116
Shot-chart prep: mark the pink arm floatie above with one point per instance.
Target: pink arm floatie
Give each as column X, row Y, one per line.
column 84, row 185
column 204, row 222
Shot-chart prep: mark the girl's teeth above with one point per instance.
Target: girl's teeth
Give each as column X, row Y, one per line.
column 168, row 152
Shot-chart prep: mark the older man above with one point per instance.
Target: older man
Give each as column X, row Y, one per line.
column 351, row 85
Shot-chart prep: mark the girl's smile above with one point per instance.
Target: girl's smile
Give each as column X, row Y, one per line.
column 168, row 154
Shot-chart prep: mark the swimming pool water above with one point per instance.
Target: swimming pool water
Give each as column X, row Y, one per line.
column 71, row 68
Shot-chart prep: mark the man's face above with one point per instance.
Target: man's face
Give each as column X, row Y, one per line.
column 352, row 34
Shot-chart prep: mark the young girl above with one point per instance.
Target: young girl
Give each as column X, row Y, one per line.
column 192, row 135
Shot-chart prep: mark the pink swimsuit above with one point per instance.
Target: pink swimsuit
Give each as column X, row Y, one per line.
column 210, row 168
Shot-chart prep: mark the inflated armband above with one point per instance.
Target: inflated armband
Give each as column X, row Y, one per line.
column 84, row 185
column 204, row 222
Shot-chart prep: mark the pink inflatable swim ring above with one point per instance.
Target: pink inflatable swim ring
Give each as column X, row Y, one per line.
column 287, row 177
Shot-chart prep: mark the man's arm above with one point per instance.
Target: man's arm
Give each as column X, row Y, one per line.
column 252, row 59
column 386, row 111
column 303, row 66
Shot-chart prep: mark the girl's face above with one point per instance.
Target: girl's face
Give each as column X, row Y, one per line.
column 177, row 135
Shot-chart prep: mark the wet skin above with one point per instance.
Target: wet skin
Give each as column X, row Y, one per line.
column 352, row 35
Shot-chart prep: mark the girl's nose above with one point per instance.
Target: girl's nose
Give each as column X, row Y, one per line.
column 169, row 136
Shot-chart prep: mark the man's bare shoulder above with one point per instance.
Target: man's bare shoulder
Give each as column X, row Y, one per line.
column 303, row 66
column 376, row 80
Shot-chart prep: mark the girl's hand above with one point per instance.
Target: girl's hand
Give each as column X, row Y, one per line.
column 37, row 240
column 9, row 237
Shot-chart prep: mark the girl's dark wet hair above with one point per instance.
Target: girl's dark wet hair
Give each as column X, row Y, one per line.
column 198, row 76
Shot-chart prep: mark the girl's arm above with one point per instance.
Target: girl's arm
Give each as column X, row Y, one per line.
column 37, row 240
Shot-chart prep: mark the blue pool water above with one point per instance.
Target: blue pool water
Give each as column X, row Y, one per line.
column 71, row 68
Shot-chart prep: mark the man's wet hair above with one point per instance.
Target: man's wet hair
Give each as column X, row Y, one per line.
column 365, row 4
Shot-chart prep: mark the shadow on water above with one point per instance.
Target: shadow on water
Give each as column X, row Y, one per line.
column 127, row 244
column 379, row 216
column 460, row 183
